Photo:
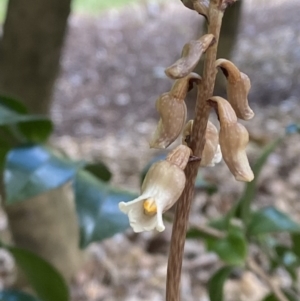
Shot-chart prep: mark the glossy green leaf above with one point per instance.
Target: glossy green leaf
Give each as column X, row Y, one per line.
column 99, row 170
column 13, row 104
column 24, row 127
column 216, row 283
column 43, row 277
column 12, row 295
column 36, row 130
column 270, row 220
column 232, row 249
column 243, row 208
column 32, row 170
column 97, row 208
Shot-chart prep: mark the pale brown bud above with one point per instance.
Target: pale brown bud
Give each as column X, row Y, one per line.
column 200, row 6
column 172, row 110
column 190, row 56
column 211, row 152
column 238, row 86
column 233, row 140
column 180, row 156
column 183, row 85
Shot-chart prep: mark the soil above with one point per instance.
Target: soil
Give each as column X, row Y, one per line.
column 104, row 109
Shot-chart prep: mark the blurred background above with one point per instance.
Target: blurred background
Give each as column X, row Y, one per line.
column 101, row 99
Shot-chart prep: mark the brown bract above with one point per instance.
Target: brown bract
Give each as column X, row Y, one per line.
column 238, row 86
column 190, row 56
column 172, row 110
column 233, row 139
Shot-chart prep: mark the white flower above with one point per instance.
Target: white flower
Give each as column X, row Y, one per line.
column 217, row 157
column 161, row 188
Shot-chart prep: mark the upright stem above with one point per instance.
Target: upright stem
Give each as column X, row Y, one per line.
column 197, row 144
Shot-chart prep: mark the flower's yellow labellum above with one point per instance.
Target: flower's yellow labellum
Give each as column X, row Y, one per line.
column 150, row 207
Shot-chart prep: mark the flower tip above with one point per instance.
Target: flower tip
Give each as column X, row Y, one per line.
column 123, row 207
column 245, row 177
column 248, row 115
column 160, row 228
column 158, row 144
column 173, row 72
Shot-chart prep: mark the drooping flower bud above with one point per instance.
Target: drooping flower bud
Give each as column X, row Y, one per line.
column 162, row 187
column 190, row 56
column 211, row 153
column 233, row 140
column 172, row 110
column 238, row 86
column 200, row 6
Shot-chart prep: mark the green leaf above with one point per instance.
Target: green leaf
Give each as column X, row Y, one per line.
column 24, row 127
column 271, row 220
column 243, row 210
column 32, row 170
column 232, row 249
column 36, row 130
column 97, row 208
column 99, row 170
column 287, row 259
column 12, row 295
column 44, row 278
column 13, row 104
column 296, row 244
column 216, row 283
column 3, row 153
column 194, row 233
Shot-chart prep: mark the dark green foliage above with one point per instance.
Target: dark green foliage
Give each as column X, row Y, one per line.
column 97, row 208
column 216, row 283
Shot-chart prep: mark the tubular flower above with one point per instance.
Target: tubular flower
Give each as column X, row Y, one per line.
column 233, row 140
column 190, row 56
column 211, row 154
column 238, row 86
column 172, row 110
column 161, row 188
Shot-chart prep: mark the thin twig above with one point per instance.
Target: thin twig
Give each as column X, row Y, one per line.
column 256, row 269
column 197, row 144
column 209, row 231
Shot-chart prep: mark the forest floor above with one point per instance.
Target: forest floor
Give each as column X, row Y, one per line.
column 104, row 109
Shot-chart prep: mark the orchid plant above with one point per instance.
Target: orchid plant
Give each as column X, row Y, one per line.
column 173, row 179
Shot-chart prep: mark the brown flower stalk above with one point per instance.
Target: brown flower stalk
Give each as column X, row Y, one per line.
column 197, row 142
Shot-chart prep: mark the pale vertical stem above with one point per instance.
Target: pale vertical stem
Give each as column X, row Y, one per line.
column 197, row 144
